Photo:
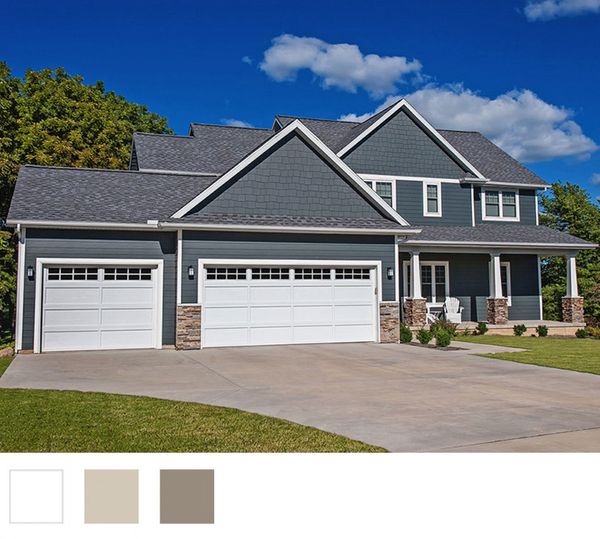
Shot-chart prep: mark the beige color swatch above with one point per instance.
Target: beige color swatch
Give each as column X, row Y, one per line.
column 187, row 496
column 111, row 496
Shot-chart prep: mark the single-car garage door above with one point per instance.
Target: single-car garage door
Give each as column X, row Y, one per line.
column 95, row 308
column 256, row 305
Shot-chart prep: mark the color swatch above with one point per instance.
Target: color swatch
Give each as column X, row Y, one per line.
column 187, row 496
column 36, row 496
column 111, row 496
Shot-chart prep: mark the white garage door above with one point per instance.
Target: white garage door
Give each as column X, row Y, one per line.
column 95, row 308
column 287, row 305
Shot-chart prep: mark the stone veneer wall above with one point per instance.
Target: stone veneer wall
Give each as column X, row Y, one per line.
column 572, row 309
column 415, row 312
column 497, row 310
column 189, row 319
column 389, row 322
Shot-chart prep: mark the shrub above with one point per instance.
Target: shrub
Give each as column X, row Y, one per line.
column 424, row 336
column 482, row 328
column 593, row 332
column 519, row 329
column 466, row 332
column 581, row 333
column 542, row 331
column 405, row 334
column 443, row 325
column 443, row 338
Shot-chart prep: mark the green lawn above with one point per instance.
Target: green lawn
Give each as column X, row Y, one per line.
column 71, row 421
column 581, row 355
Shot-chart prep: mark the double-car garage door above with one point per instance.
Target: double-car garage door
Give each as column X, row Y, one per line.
column 259, row 305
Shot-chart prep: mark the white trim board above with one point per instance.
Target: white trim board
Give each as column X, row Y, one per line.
column 315, row 143
column 39, row 280
column 390, row 178
column 428, row 127
column 21, row 276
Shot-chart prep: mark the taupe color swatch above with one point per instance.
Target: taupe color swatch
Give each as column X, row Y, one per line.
column 187, row 496
column 111, row 496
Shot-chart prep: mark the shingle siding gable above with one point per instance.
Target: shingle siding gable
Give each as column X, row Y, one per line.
column 290, row 180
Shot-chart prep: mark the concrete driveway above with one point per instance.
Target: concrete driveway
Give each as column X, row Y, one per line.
column 400, row 397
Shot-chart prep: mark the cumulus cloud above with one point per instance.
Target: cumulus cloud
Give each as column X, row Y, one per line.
column 551, row 9
column 520, row 122
column 247, row 60
column 232, row 122
column 595, row 179
column 340, row 65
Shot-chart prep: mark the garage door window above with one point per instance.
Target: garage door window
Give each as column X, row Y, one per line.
column 353, row 273
column 127, row 274
column 270, row 273
column 312, row 273
column 72, row 274
column 225, row 273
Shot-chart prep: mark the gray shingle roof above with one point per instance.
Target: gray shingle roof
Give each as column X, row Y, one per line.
column 292, row 221
column 496, row 233
column 211, row 149
column 110, row 196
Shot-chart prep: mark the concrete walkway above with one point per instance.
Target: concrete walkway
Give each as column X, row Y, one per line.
column 404, row 398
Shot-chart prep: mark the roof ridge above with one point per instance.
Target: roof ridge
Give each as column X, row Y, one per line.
column 120, row 170
column 316, row 119
column 161, row 135
column 231, row 126
column 460, row 130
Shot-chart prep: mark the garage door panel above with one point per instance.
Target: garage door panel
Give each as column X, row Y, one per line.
column 126, row 339
column 224, row 336
column 70, row 340
column 313, row 334
column 313, row 314
column 140, row 295
column 361, row 332
column 75, row 295
column 127, row 317
column 270, row 315
column 360, row 293
column 217, row 316
column 60, row 318
column 354, row 313
column 270, row 335
column 268, row 295
column 313, row 293
column 225, row 295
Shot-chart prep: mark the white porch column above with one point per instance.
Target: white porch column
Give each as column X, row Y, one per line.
column 415, row 275
column 495, row 276
column 572, row 289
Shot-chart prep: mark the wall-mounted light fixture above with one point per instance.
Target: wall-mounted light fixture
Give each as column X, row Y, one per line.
column 30, row 272
column 190, row 272
column 390, row 273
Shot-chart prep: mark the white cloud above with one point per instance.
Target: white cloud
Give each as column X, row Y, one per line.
column 551, row 9
column 247, row 60
column 595, row 178
column 520, row 122
column 340, row 65
column 232, row 122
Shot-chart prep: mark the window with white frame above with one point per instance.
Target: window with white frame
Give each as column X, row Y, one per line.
column 385, row 189
column 435, row 284
column 432, row 199
column 499, row 205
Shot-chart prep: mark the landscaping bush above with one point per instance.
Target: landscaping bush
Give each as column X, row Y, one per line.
column 519, row 329
column 443, row 325
column 424, row 336
column 405, row 334
column 482, row 328
column 542, row 331
column 581, row 333
column 443, row 338
column 593, row 332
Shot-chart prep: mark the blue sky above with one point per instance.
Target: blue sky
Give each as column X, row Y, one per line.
column 524, row 72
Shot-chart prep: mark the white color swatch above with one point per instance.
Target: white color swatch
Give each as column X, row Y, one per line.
column 36, row 496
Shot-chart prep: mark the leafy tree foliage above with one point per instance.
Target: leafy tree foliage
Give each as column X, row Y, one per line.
column 49, row 117
column 569, row 208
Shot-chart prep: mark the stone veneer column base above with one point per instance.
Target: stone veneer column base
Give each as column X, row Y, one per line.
column 572, row 310
column 389, row 322
column 415, row 312
column 497, row 310
column 187, row 331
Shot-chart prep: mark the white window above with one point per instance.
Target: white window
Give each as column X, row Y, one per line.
column 435, row 283
column 499, row 205
column 432, row 199
column 385, row 189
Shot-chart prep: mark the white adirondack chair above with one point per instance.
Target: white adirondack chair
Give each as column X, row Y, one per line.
column 453, row 310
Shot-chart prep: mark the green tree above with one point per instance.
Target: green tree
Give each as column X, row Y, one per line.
column 569, row 208
column 51, row 118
